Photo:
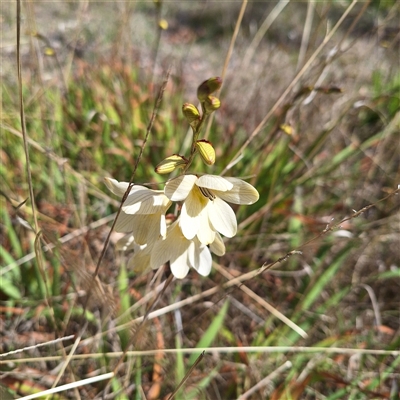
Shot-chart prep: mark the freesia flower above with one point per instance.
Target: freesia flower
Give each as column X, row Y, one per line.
column 205, row 211
column 143, row 212
column 183, row 253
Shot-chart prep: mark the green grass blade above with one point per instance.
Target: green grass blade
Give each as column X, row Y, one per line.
column 210, row 333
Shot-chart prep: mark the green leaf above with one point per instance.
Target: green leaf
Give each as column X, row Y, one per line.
column 180, row 366
column 9, row 289
column 210, row 333
column 317, row 287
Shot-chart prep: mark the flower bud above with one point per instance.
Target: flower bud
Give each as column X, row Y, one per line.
column 192, row 114
column 170, row 164
column 211, row 103
column 208, row 87
column 286, row 128
column 206, row 151
column 163, row 24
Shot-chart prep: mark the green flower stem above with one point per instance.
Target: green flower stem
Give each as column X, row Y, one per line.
column 196, row 133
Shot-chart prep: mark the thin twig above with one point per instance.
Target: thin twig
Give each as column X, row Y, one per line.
column 185, row 378
column 22, row 118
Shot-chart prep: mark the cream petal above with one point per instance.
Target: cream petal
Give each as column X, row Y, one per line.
column 222, row 217
column 145, row 201
column 169, row 249
column 163, row 226
column 241, row 193
column 218, row 246
column 202, row 261
column 161, row 253
column 147, row 228
column 177, row 189
column 118, row 188
column 191, row 253
column 214, row 182
column 125, row 222
column 125, row 243
column 191, row 213
column 179, row 266
column 139, row 262
column 205, row 233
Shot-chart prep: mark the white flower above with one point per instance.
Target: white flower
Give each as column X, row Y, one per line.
column 143, row 212
column 183, row 253
column 204, row 211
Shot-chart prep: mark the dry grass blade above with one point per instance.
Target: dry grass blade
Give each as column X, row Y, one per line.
column 68, row 359
column 262, row 31
column 306, row 33
column 265, row 381
column 262, row 302
column 222, row 350
column 50, row 342
column 69, row 386
column 22, row 117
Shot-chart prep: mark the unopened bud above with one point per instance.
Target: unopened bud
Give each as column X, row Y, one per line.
column 49, row 51
column 163, row 24
column 211, row 103
column 286, row 128
column 208, row 87
column 170, row 164
column 206, row 151
column 192, row 114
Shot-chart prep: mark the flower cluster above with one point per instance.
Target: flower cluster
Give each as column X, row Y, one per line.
column 184, row 240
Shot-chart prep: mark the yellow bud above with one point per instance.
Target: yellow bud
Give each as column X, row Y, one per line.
column 48, row 51
column 170, row 164
column 286, row 128
column 208, row 87
column 206, row 151
column 192, row 114
column 163, row 24
column 211, row 103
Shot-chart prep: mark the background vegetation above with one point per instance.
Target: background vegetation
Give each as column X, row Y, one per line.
column 310, row 116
